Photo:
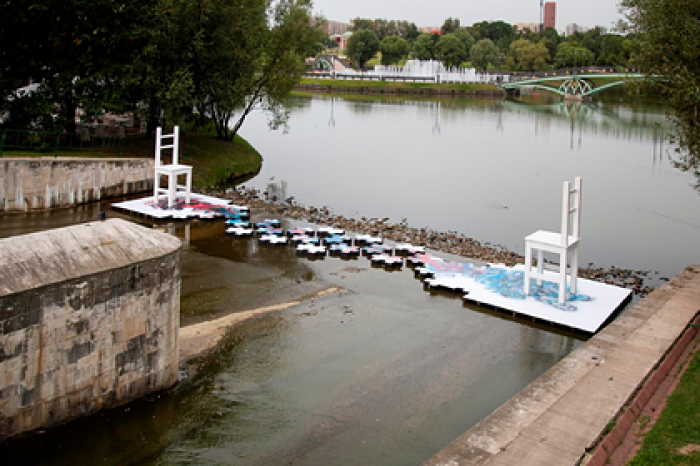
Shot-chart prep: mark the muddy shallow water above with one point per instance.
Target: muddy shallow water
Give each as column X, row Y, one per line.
column 382, row 372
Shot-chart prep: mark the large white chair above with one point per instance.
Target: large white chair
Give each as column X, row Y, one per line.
column 565, row 244
column 172, row 171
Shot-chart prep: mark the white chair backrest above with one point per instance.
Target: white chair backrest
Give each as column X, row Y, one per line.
column 174, row 145
column 571, row 211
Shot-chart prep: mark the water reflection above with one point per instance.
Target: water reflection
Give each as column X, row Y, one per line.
column 444, row 164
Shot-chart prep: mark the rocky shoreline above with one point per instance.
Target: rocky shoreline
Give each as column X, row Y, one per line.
column 449, row 242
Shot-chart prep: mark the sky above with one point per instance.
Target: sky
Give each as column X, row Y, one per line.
column 434, row 12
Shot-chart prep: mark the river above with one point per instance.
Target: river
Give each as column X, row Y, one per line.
column 386, row 373
column 493, row 170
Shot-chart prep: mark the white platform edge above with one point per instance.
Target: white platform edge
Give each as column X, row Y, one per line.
column 140, row 206
column 589, row 317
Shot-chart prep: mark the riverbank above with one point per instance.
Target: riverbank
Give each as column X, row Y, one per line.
column 395, row 87
column 215, row 161
column 569, row 415
column 449, row 242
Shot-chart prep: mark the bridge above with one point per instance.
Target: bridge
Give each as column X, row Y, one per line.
column 576, row 83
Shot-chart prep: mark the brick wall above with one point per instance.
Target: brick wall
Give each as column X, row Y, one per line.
column 89, row 319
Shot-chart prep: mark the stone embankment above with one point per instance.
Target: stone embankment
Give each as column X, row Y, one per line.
column 564, row 416
column 39, row 183
column 429, row 91
column 450, row 242
column 89, row 319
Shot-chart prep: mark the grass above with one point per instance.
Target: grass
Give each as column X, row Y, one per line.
column 398, row 85
column 675, row 439
column 214, row 161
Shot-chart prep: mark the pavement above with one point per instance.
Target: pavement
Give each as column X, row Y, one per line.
column 564, row 417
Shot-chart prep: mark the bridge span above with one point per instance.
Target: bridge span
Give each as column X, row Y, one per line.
column 568, row 84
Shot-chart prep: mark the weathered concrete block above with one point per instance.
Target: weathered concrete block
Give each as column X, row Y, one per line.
column 89, row 319
column 43, row 183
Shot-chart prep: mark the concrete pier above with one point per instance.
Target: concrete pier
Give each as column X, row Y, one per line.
column 89, row 319
column 561, row 417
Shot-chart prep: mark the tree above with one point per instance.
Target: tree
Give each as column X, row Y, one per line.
column 466, row 38
column 667, row 44
column 78, row 52
column 483, row 53
column 362, row 46
column 529, row 56
column 393, row 49
column 424, row 48
column 450, row 50
column 289, row 39
column 449, row 26
column 571, row 54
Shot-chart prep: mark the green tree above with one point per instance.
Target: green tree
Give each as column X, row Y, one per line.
column 359, row 24
column 466, row 38
column 424, row 48
column 450, row 51
column 450, row 26
column 529, row 56
column 667, row 44
column 362, row 46
column 79, row 53
column 483, row 53
column 571, row 54
column 393, row 49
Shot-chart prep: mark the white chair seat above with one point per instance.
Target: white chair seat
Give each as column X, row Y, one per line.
column 550, row 238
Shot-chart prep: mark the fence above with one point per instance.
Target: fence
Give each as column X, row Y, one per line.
column 101, row 143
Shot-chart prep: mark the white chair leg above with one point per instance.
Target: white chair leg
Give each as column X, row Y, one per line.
column 574, row 271
column 562, row 276
column 528, row 268
column 188, row 181
column 540, row 265
column 172, row 189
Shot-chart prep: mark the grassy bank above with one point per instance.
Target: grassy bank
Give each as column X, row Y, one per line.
column 398, row 86
column 675, row 439
column 214, row 161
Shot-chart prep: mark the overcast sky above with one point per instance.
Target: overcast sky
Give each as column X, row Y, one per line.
column 433, row 12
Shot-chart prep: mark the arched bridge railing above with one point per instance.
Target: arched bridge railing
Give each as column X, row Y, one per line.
column 567, row 84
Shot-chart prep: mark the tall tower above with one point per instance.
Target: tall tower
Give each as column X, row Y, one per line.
column 541, row 15
column 550, row 15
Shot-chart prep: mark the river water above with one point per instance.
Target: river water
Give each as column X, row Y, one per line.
column 385, row 373
column 493, row 170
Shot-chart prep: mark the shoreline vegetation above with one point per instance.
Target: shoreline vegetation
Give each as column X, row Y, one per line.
column 395, row 87
column 215, row 161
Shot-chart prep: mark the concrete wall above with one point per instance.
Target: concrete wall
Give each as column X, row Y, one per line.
column 42, row 183
column 89, row 319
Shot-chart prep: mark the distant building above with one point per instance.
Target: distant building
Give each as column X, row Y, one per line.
column 532, row 27
column 430, row 30
column 342, row 39
column 573, row 28
column 550, row 15
column 335, row 28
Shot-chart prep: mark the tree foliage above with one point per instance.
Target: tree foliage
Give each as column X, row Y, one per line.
column 483, row 53
column 362, row 46
column 221, row 58
column 529, row 56
column 450, row 26
column 666, row 47
column 424, row 48
column 450, row 51
column 393, row 49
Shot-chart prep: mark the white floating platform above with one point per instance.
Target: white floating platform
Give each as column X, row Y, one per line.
column 146, row 206
column 587, row 316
